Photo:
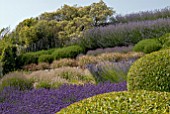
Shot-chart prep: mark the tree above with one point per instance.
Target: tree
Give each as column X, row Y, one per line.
column 100, row 12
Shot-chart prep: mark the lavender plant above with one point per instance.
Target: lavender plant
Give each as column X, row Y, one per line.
column 142, row 16
column 44, row 101
column 124, row 34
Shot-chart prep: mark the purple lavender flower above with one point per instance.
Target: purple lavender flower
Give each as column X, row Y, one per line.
column 44, row 101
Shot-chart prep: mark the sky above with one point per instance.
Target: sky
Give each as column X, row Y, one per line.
column 14, row 11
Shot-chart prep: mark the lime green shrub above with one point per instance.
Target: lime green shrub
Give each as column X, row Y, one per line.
column 151, row 72
column 133, row 102
column 16, row 80
column 147, row 46
column 165, row 41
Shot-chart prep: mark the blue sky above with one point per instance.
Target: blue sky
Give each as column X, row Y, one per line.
column 14, row 11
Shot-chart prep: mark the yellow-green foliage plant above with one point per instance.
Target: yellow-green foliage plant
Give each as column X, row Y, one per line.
column 151, row 72
column 127, row 102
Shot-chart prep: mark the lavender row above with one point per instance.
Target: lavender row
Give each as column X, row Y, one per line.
column 124, row 34
column 44, row 101
column 142, row 16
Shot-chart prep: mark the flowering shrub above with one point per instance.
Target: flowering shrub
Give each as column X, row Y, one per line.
column 124, row 34
column 44, row 101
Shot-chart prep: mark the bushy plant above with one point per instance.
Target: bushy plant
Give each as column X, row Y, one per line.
column 164, row 40
column 147, row 46
column 151, row 72
column 17, row 81
column 107, row 71
column 50, row 101
column 67, row 52
column 64, row 62
column 8, row 59
column 45, row 58
column 136, row 102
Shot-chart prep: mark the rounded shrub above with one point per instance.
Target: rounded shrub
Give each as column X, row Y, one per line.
column 136, row 102
column 151, row 72
column 147, row 46
column 16, row 80
column 45, row 58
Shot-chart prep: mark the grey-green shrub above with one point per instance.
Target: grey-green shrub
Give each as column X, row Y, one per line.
column 127, row 102
column 16, row 80
column 151, row 72
column 147, row 46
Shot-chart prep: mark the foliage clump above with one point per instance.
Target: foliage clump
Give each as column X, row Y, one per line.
column 122, row 102
column 151, row 72
column 147, row 46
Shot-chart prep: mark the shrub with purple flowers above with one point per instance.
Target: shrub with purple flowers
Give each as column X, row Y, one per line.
column 44, row 101
column 124, row 34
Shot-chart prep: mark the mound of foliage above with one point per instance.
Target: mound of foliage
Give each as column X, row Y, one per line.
column 151, row 72
column 44, row 101
column 147, row 46
column 123, row 103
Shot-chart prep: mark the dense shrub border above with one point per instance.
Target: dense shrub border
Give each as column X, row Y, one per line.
column 49, row 55
column 144, row 102
column 151, row 72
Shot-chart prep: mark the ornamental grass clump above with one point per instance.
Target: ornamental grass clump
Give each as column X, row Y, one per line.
column 17, row 81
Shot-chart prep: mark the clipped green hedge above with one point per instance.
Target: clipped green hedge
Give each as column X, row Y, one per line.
column 49, row 55
column 133, row 102
column 147, row 46
column 67, row 52
column 45, row 58
column 151, row 72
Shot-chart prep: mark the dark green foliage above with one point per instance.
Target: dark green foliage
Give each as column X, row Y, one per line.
column 8, row 59
column 67, row 52
column 45, row 58
column 151, row 72
column 16, row 81
column 147, row 46
column 27, row 58
column 49, row 55
column 132, row 102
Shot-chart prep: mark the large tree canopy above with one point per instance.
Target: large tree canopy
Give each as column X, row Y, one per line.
column 56, row 28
